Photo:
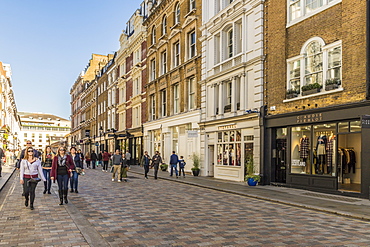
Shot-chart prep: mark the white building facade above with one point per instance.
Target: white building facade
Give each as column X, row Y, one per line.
column 232, row 86
column 42, row 129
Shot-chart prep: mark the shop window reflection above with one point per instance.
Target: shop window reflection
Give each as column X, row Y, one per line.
column 343, row 127
column 324, row 154
column 355, row 126
column 300, row 156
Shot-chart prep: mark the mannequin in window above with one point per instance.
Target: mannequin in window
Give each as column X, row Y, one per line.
column 321, row 152
column 330, row 152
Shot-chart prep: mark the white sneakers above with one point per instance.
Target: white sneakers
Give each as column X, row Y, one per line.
column 119, row 181
column 112, row 179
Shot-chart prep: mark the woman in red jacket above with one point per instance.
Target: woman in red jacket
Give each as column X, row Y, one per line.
column 61, row 171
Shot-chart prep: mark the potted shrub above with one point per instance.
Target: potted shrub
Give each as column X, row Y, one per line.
column 196, row 165
column 163, row 167
column 332, row 83
column 251, row 177
column 292, row 93
column 311, row 89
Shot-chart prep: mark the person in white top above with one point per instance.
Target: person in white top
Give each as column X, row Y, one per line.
column 30, row 167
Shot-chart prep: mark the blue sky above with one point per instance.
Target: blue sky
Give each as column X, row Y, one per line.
column 49, row 42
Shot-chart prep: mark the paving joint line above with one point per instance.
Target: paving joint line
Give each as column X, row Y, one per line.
column 324, row 210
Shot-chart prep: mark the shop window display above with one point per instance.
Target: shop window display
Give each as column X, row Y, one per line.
column 301, row 150
column 324, row 146
column 229, row 148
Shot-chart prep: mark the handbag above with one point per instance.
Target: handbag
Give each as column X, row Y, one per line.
column 78, row 170
column 35, row 180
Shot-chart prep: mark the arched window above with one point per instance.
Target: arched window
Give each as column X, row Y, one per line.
column 313, row 63
column 154, row 35
column 164, row 25
column 177, row 14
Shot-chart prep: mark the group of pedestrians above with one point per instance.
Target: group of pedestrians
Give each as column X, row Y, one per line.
column 120, row 166
column 147, row 162
column 61, row 167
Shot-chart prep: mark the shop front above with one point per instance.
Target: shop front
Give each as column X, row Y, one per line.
column 324, row 150
column 229, row 145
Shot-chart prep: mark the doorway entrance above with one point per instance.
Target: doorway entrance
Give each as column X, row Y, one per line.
column 211, row 160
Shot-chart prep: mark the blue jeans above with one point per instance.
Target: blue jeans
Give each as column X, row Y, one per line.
column 47, row 183
column 74, row 180
column 63, row 182
column 174, row 166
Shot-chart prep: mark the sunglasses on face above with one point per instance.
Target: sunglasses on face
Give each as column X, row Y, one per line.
column 61, row 150
column 29, row 143
column 30, row 151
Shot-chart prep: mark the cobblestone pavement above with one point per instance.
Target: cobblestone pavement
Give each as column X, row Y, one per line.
column 164, row 213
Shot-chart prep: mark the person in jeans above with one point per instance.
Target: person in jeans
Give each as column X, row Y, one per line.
column 47, row 160
column 117, row 163
column 88, row 160
column 100, row 158
column 30, row 167
column 156, row 160
column 174, row 159
column 106, row 157
column 61, row 171
column 182, row 164
column 124, row 168
column 93, row 158
column 77, row 161
column 145, row 162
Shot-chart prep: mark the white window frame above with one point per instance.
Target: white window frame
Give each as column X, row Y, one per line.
column 136, row 86
column 152, row 107
column 191, row 93
column 152, row 69
column 303, row 12
column 163, row 95
column 325, row 67
column 164, row 62
column 176, row 98
column 192, row 46
column 230, row 42
column 176, row 54
column 154, row 35
column 177, row 13
column 191, row 5
column 164, row 25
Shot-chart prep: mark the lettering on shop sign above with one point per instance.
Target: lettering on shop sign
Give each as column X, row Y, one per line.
column 365, row 121
column 309, row 118
column 227, row 127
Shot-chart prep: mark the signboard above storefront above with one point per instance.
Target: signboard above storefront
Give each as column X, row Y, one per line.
column 192, row 133
column 227, row 127
column 365, row 121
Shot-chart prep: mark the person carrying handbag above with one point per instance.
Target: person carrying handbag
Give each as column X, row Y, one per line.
column 30, row 169
column 61, row 170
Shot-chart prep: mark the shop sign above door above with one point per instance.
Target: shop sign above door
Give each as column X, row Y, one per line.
column 310, row 118
column 227, row 127
column 365, row 121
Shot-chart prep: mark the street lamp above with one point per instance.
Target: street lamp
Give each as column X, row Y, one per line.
column 100, row 134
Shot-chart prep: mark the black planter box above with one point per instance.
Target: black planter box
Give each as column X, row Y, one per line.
column 291, row 95
column 312, row 91
column 331, row 87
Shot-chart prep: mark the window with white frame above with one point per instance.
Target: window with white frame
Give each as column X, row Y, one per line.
column 230, row 43
column 164, row 25
column 164, row 62
column 191, row 92
column 122, row 69
column 228, row 92
column 163, row 102
column 152, row 69
column 113, row 96
column 136, row 86
column 109, row 98
column 177, row 14
column 136, row 121
column 137, row 56
column 192, row 48
column 123, row 95
column 217, row 53
column 152, row 107
column 304, row 8
column 191, row 5
column 176, row 54
column 154, row 35
column 317, row 68
column 176, row 98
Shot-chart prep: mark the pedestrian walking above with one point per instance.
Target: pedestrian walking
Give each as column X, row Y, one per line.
column 182, row 164
column 30, row 169
column 81, row 155
column 100, row 158
column 145, row 162
column 93, row 158
column 79, row 167
column 156, row 160
column 174, row 159
column 61, row 171
column 117, row 163
column 128, row 157
column 88, row 160
column 47, row 161
column 22, row 154
column 2, row 155
column 106, row 157
column 124, row 168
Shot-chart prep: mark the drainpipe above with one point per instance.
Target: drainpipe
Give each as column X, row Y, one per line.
column 368, row 49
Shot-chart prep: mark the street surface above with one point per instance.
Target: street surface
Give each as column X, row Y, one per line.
column 164, row 213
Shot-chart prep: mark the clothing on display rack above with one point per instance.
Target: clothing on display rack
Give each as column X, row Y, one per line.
column 304, row 145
